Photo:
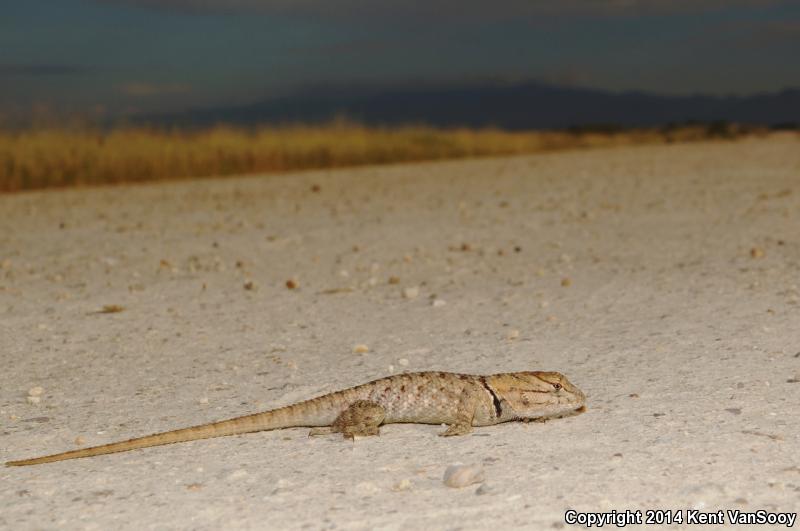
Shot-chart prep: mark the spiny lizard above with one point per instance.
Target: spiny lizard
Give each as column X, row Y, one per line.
column 459, row 400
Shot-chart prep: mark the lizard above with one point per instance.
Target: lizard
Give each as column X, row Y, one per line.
column 461, row 401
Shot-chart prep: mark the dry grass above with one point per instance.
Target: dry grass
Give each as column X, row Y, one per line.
column 59, row 157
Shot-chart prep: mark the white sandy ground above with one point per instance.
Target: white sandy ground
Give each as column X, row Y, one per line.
column 685, row 339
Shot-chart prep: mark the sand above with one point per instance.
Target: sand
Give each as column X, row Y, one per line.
column 662, row 280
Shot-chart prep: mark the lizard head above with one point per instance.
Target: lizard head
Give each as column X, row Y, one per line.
column 538, row 394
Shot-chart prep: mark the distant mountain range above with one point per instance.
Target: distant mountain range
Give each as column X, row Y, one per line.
column 519, row 106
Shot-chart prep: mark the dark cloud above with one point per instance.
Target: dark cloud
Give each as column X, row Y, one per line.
column 748, row 34
column 777, row 32
column 446, row 9
column 144, row 89
column 43, row 70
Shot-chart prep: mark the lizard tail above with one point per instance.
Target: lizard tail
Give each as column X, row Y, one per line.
column 269, row 420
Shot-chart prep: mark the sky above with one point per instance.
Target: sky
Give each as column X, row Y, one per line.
column 111, row 57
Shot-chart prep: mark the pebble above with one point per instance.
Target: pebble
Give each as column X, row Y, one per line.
column 411, row 292
column 458, row 476
column 402, row 362
column 292, row 283
column 438, row 303
column 484, row 489
column 361, row 348
column 403, row 484
column 566, row 281
column 512, row 334
column 237, row 475
column 757, row 252
column 35, row 391
column 366, row 488
column 34, row 399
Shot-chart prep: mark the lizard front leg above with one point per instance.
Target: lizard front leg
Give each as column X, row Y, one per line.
column 361, row 419
column 465, row 412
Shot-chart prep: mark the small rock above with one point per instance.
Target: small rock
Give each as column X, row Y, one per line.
column 394, row 280
column 79, row 441
column 512, row 334
column 484, row 489
column 404, row 484
column 411, row 292
column 35, row 391
column 34, row 399
column 566, row 281
column 361, row 348
column 366, row 488
column 458, row 476
column 438, row 303
column 292, row 283
column 757, row 252
column 237, row 474
column 402, row 362
column 250, row 285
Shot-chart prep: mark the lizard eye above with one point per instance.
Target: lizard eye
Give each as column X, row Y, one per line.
column 557, row 386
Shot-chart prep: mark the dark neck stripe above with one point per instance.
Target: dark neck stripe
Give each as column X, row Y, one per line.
column 498, row 408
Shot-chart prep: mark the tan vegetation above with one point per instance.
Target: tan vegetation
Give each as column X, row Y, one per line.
column 58, row 157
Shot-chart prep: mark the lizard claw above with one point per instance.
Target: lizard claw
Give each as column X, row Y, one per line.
column 456, row 429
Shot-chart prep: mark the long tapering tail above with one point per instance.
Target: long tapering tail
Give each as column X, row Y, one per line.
column 268, row 420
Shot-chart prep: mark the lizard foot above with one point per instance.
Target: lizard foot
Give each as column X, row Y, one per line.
column 456, row 429
column 361, row 419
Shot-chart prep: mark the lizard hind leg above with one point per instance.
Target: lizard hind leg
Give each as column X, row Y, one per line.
column 360, row 419
column 465, row 412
